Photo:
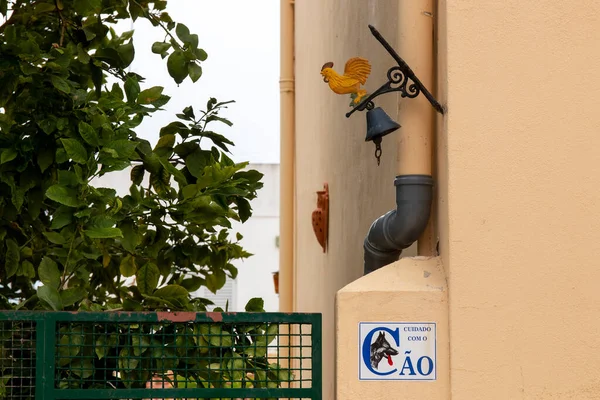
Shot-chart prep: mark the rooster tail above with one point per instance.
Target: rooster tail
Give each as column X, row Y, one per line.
column 358, row 68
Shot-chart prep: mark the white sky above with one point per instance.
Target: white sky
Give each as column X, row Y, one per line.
column 242, row 41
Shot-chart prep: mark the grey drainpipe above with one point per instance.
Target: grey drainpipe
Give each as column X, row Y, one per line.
column 398, row 229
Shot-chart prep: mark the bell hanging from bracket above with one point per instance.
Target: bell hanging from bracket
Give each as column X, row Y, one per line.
column 379, row 124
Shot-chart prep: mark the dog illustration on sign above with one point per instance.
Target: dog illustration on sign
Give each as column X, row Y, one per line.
column 381, row 348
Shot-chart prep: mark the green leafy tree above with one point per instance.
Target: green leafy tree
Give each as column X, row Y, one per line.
column 68, row 113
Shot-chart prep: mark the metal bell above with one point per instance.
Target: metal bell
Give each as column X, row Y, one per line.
column 379, row 124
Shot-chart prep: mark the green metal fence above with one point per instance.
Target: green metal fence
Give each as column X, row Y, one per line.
column 138, row 355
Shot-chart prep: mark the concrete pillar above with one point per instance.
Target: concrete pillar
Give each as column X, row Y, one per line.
column 411, row 291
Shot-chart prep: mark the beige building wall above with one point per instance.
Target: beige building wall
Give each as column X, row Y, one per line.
column 523, row 196
column 517, row 184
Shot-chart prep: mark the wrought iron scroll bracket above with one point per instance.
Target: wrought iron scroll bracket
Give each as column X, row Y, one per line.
column 401, row 78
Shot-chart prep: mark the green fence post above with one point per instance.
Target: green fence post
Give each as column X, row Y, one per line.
column 49, row 354
column 317, row 357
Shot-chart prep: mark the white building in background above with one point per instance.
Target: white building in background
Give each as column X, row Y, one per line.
column 261, row 234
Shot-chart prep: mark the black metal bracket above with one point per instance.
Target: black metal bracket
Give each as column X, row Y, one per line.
column 399, row 78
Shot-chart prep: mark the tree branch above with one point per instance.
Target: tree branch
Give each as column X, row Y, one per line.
column 63, row 26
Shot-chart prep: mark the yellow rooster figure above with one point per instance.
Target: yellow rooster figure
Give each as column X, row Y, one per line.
column 356, row 72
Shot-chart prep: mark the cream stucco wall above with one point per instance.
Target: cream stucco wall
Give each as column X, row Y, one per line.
column 523, row 197
column 330, row 148
column 517, row 184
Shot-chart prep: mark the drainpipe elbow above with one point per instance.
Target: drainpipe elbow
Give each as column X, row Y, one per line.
column 398, row 229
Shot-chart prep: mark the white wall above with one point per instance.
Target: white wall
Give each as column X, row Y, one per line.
column 260, row 232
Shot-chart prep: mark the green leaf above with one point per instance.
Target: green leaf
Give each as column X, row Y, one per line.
column 82, row 55
column 69, row 347
column 173, row 293
column 182, row 32
column 8, row 155
column 26, row 252
column 128, row 267
column 67, row 178
column 147, row 278
column 126, row 53
column 105, row 344
column 75, row 150
column 192, row 42
column 87, row 7
column 124, row 148
column 192, row 284
column 132, row 89
column 255, row 304
column 89, row 34
column 48, row 125
column 62, row 217
column 160, row 183
column 13, row 256
column 135, row 10
column 82, row 367
column 189, row 191
column 281, row 374
column 137, row 174
column 45, row 158
column 176, row 127
column 49, row 273
column 140, row 345
column 55, row 237
column 50, row 295
column 233, row 271
column 71, row 296
column 197, row 161
column 43, row 8
column 216, row 336
column 161, row 101
column 244, row 209
column 160, row 47
column 83, row 213
column 177, row 66
column 126, row 360
column 63, row 195
column 252, row 176
column 236, row 366
column 166, row 141
column 188, row 113
column 35, row 198
column 60, row 84
column 103, row 221
column 165, row 356
column 195, row 71
column 61, row 156
column 220, row 119
column 27, row 269
column 88, row 134
column 216, row 280
column 201, row 54
column 103, row 233
column 17, row 196
column 149, row 96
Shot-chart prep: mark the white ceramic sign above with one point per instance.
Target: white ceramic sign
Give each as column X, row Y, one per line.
column 397, row 351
